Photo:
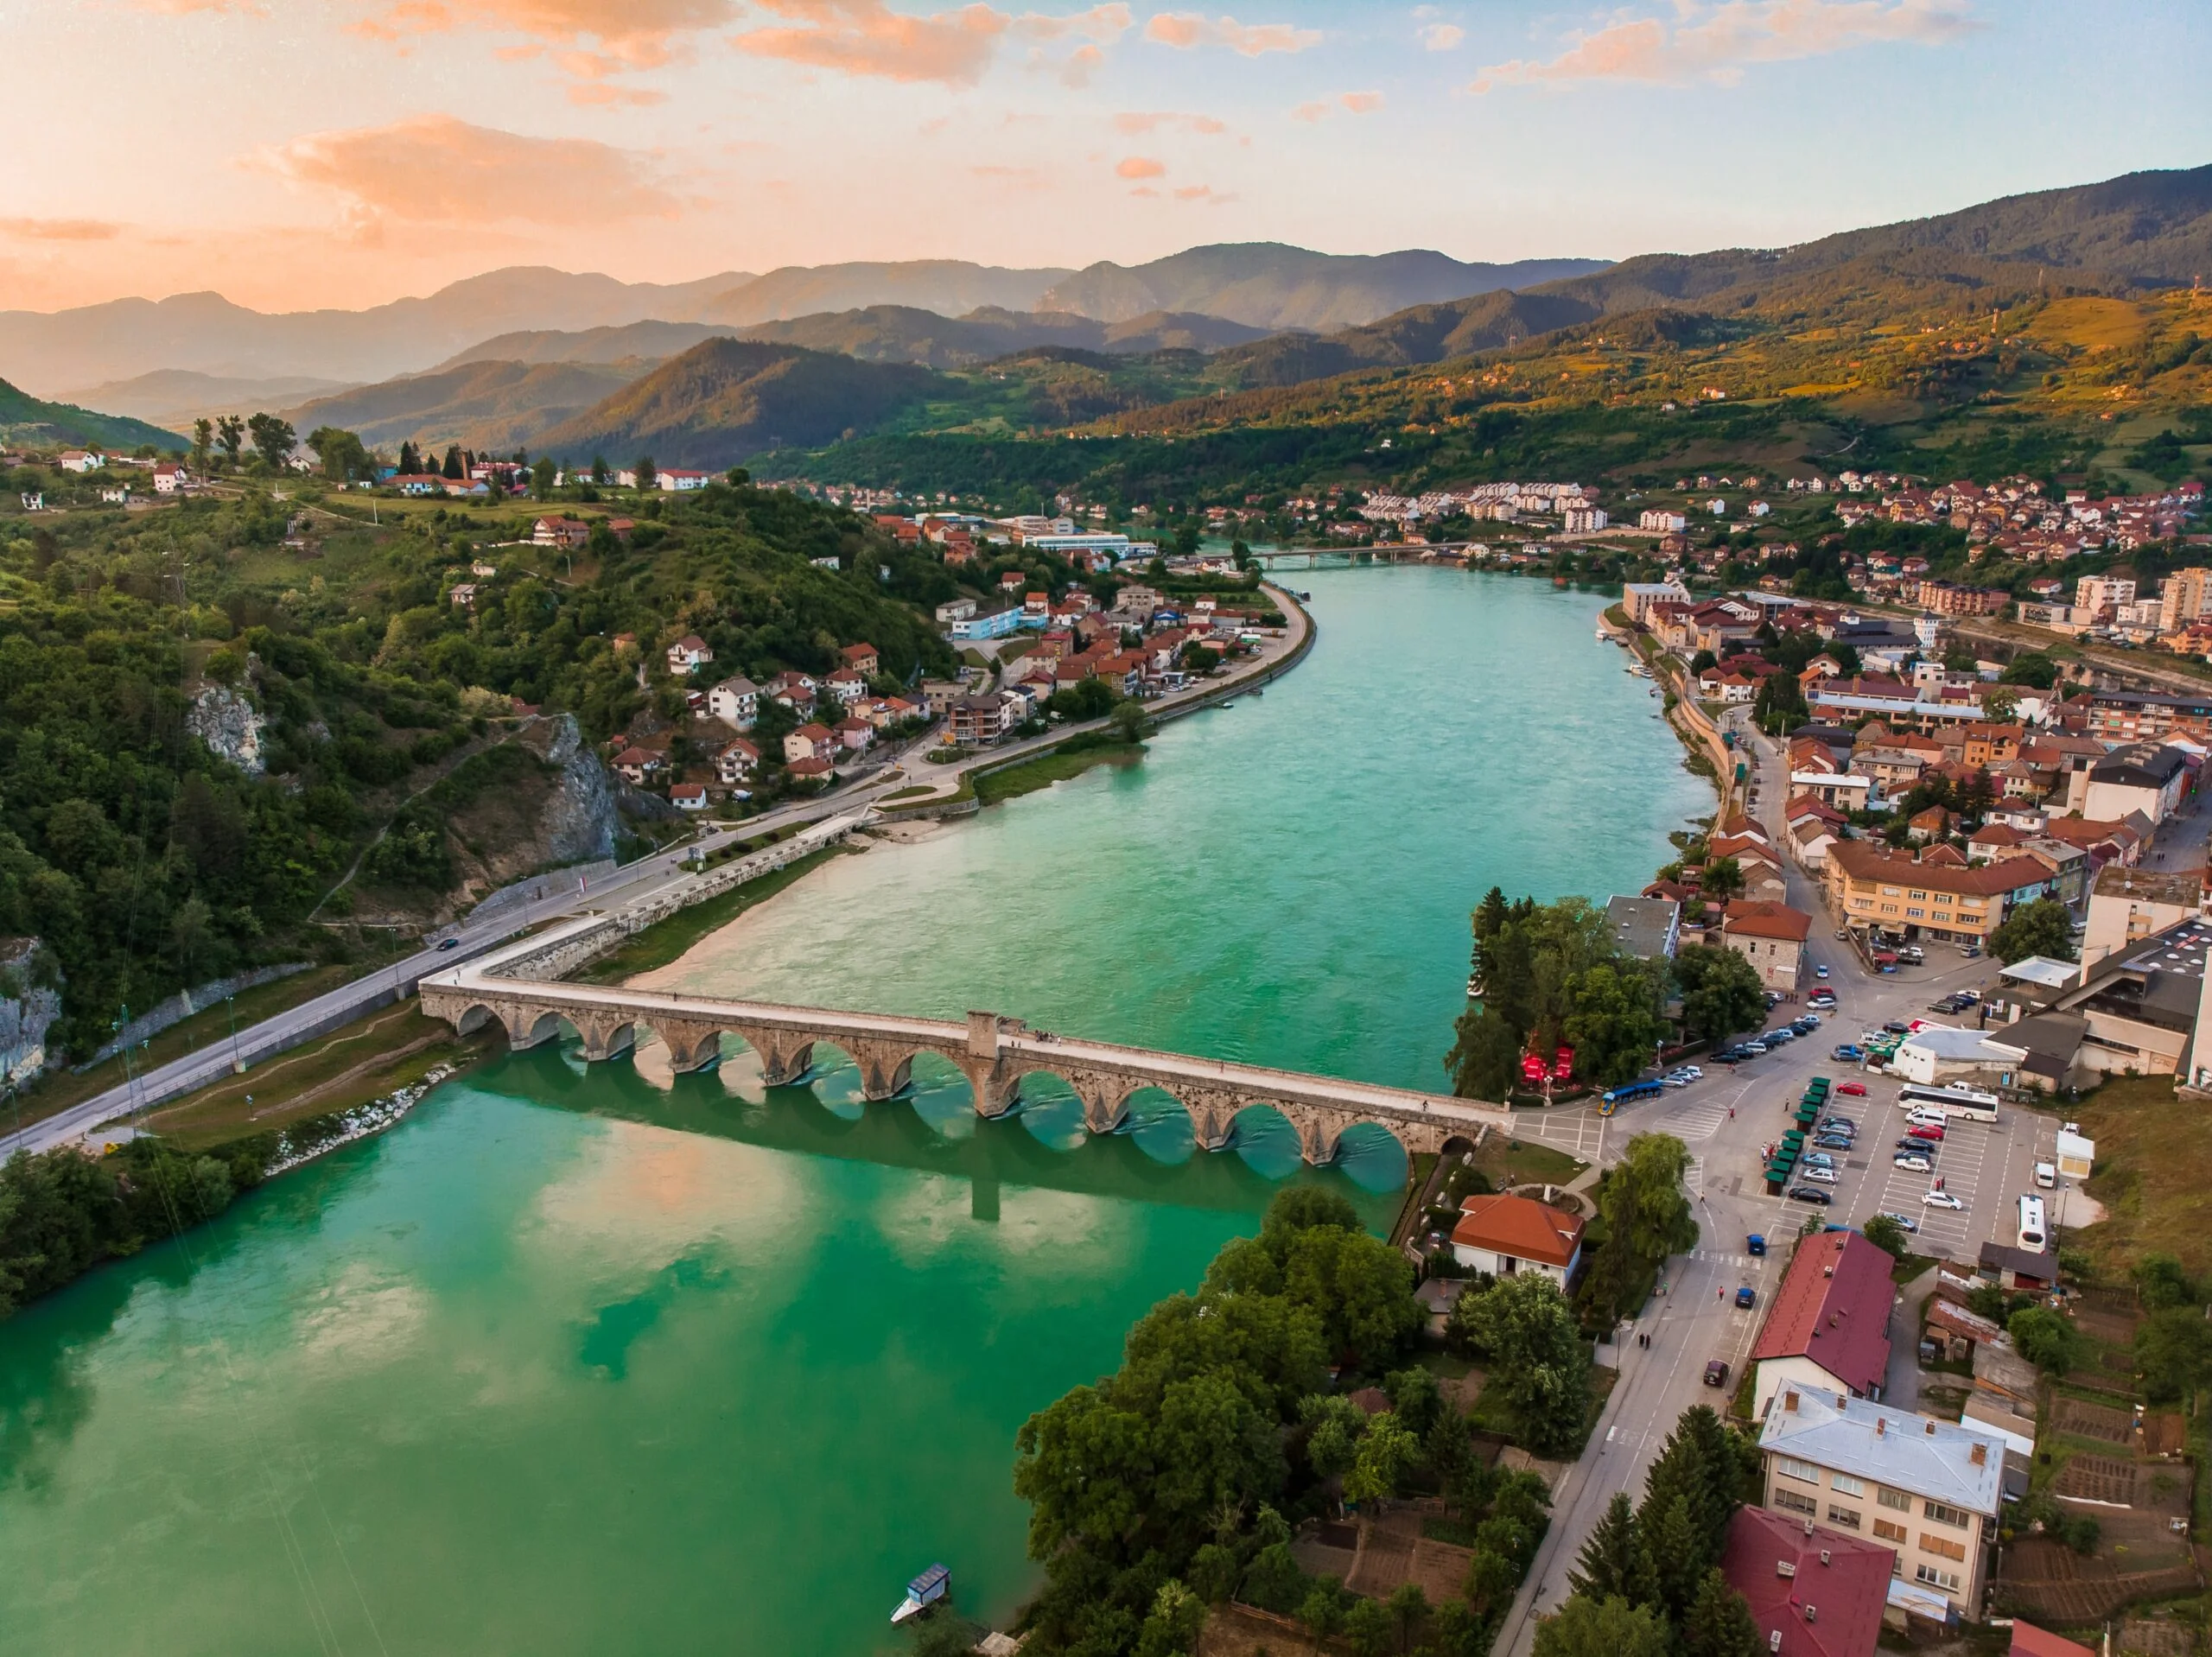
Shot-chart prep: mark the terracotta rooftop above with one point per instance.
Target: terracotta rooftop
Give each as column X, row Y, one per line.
column 1813, row 1592
column 1834, row 1308
column 1521, row 1227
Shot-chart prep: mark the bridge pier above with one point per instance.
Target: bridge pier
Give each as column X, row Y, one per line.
column 886, row 1071
column 605, row 1035
column 691, row 1046
column 784, row 1057
column 532, row 1026
column 1105, row 1108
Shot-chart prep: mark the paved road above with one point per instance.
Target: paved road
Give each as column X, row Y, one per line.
column 1985, row 1166
column 633, row 881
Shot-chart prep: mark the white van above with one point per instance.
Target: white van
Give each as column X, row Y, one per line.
column 2046, row 1175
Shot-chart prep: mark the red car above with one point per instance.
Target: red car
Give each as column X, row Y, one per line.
column 1930, row 1132
column 1856, row 1089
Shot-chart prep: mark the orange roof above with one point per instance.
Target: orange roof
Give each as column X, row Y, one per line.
column 2028, row 1641
column 1521, row 1227
column 1754, row 920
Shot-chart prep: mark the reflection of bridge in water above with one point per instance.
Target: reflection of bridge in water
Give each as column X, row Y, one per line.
column 994, row 1053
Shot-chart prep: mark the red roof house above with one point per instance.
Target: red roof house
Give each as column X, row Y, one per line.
column 1829, row 1324
column 2028, row 1641
column 1505, row 1236
column 1814, row 1592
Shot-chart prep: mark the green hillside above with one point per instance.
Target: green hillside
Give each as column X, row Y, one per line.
column 26, row 419
column 480, row 405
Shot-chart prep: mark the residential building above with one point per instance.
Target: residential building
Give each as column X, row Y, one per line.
column 169, row 477
column 2138, row 716
column 1659, row 521
column 1814, row 1590
column 979, row 721
column 1647, row 927
column 1865, row 885
column 689, row 796
column 994, row 624
column 811, row 742
column 1638, row 597
column 1828, row 1324
column 854, row 734
column 2127, row 905
column 2142, row 777
column 1770, row 935
column 1507, row 1236
column 736, row 703
column 737, row 762
column 847, row 685
column 689, row 654
column 677, row 482
column 564, row 534
column 81, row 460
column 1930, row 1489
column 811, row 771
column 861, row 659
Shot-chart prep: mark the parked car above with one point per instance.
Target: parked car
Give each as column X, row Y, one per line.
column 1895, row 1028
column 1921, row 1116
column 1747, row 1296
column 1849, row 1053
column 1904, row 1220
column 1943, row 1200
column 1842, row 1125
column 1912, row 1164
column 1716, row 1373
column 1820, row 1176
column 1924, row 1130
column 1689, row 1070
column 1855, row 1089
column 1816, row 1159
column 1812, row 1194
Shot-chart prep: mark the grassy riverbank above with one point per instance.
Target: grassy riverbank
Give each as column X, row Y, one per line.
column 1072, row 758
column 666, row 941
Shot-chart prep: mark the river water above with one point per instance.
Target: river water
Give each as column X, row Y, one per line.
column 592, row 1363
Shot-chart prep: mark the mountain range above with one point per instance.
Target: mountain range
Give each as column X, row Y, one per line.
column 1261, row 286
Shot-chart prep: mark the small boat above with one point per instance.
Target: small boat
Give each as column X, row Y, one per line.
column 925, row 1590
column 1224, row 704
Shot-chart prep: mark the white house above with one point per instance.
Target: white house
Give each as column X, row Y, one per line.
column 689, row 796
column 1506, row 1235
column 737, row 762
column 169, row 477
column 677, row 483
column 689, row 653
column 736, row 703
column 81, row 460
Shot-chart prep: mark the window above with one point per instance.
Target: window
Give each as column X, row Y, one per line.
column 1943, row 1515
column 1943, row 1547
column 1844, row 1485
column 1946, row 1580
column 1790, row 1501
column 1918, row 914
column 1844, row 1516
column 1917, row 897
column 1889, row 1532
column 1789, row 1468
column 1898, row 1499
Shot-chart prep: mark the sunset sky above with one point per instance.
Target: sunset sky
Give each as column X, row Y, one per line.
column 292, row 154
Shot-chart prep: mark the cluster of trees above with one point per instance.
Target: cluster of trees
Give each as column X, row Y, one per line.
column 62, row 1213
column 1552, row 976
column 2044, row 927
column 1647, row 1581
column 1173, row 1483
column 1531, row 1343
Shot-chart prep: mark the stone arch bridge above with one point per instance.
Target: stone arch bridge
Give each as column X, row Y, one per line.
column 994, row 1052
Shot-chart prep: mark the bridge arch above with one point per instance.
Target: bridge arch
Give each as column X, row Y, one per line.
column 942, row 1095
column 1051, row 1106
column 1160, row 1124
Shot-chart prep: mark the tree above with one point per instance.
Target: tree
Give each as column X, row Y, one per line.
column 2161, row 1282
column 2045, row 1339
column 541, row 478
column 1887, row 1236
column 1721, row 992
column 2032, row 669
column 1172, row 1628
column 230, row 436
column 2173, row 1352
column 1723, row 878
column 203, row 446
column 1387, row 1453
column 341, row 453
column 2044, row 927
column 453, row 467
column 1601, row 1627
column 1999, row 700
column 1536, row 1356
column 1719, row 1622
column 410, row 463
column 1613, row 1022
column 1645, row 1207
column 1613, row 1563
column 1367, row 1629
column 273, row 439
column 648, row 475
column 1701, row 661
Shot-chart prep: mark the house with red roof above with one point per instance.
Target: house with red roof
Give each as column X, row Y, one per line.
column 1506, row 1235
column 2028, row 1641
column 1771, row 937
column 1829, row 1326
column 1813, row 1591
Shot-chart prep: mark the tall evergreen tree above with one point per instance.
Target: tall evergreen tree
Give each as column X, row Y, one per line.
column 1613, row 1563
column 1677, row 1553
column 1720, row 1622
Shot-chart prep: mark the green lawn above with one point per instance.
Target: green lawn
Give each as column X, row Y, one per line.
column 1054, row 767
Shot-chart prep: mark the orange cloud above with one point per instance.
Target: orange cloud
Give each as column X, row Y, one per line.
column 1141, row 167
column 1104, row 24
column 866, row 37
column 1361, row 103
column 60, row 230
column 1441, row 37
column 605, row 37
column 1184, row 30
column 1351, row 102
column 1716, row 40
column 1135, row 123
column 1205, row 193
column 435, row 169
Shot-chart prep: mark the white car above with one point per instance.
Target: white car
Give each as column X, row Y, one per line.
column 1942, row 1200
column 1817, row 1175
column 1912, row 1164
column 1820, row 972
column 1689, row 1070
column 1922, row 1118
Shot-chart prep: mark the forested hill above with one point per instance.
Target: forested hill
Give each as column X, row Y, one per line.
column 147, row 863
column 26, row 419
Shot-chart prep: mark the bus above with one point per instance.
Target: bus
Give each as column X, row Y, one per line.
column 1968, row 1103
column 1614, row 1098
column 2032, row 1234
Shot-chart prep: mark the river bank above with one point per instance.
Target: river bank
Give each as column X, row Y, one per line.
column 583, row 1358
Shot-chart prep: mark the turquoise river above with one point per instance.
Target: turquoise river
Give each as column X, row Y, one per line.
column 575, row 1362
